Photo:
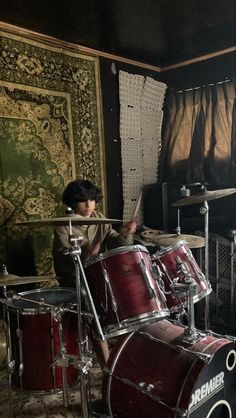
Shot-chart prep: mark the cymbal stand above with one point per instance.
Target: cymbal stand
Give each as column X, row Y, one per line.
column 85, row 361
column 184, row 192
column 178, row 229
column 63, row 360
column 204, row 210
column 10, row 362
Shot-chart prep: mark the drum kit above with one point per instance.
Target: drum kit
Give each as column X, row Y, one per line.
column 158, row 365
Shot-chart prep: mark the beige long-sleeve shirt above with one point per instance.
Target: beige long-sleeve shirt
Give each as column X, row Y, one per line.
column 92, row 234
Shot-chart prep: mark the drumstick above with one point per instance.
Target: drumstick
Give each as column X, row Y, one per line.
column 137, row 207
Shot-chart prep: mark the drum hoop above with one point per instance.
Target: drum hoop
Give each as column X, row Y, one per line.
column 39, row 309
column 45, row 289
column 171, row 248
column 111, row 369
column 116, row 251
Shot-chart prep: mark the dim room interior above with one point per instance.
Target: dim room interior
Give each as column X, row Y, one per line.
column 137, row 97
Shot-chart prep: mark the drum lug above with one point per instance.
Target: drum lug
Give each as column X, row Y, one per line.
column 206, row 358
column 11, row 366
column 189, row 255
column 21, row 369
column 182, row 269
column 21, row 365
column 158, row 276
column 151, row 291
column 113, row 299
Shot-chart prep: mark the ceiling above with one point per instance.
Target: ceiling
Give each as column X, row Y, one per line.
column 157, row 32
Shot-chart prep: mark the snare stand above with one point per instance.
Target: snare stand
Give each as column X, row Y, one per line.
column 85, row 361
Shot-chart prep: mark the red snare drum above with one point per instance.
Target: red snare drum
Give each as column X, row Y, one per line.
column 39, row 346
column 152, row 373
column 125, row 291
column 177, row 264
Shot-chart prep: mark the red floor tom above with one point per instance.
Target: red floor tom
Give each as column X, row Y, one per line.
column 35, row 339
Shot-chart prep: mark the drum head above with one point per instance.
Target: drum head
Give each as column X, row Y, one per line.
column 117, row 251
column 171, row 248
column 54, row 296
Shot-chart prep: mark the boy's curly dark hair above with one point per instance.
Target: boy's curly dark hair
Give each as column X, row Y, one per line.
column 80, row 191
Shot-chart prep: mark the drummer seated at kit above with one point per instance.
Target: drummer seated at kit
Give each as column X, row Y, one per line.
column 82, row 196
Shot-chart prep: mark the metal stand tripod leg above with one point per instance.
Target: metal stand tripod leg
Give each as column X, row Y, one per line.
column 85, row 362
column 63, row 366
column 10, row 362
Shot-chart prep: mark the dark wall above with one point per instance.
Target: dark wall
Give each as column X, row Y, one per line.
column 205, row 72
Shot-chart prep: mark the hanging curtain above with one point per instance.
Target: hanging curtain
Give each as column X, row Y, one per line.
column 199, row 137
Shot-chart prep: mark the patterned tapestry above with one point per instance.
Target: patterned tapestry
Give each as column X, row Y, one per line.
column 50, row 133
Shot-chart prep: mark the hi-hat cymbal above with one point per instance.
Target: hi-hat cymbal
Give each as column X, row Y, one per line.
column 193, row 241
column 74, row 219
column 204, row 196
column 12, row 280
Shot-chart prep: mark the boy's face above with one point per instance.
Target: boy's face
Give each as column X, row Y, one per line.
column 85, row 208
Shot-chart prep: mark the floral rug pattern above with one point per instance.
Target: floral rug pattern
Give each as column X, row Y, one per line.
column 50, row 132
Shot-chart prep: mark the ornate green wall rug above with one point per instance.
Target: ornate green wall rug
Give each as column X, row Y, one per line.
column 50, row 133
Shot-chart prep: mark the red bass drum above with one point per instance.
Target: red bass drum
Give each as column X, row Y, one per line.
column 153, row 373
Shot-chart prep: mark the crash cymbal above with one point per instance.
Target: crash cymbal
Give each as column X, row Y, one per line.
column 203, row 196
column 64, row 221
column 193, row 241
column 12, row 280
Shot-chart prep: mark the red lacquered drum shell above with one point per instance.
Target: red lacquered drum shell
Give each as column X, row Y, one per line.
column 40, row 343
column 151, row 373
column 177, row 263
column 124, row 289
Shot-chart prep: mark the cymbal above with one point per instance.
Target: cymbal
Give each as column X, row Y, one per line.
column 204, row 196
column 12, row 280
column 64, row 221
column 193, row 241
column 149, row 233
